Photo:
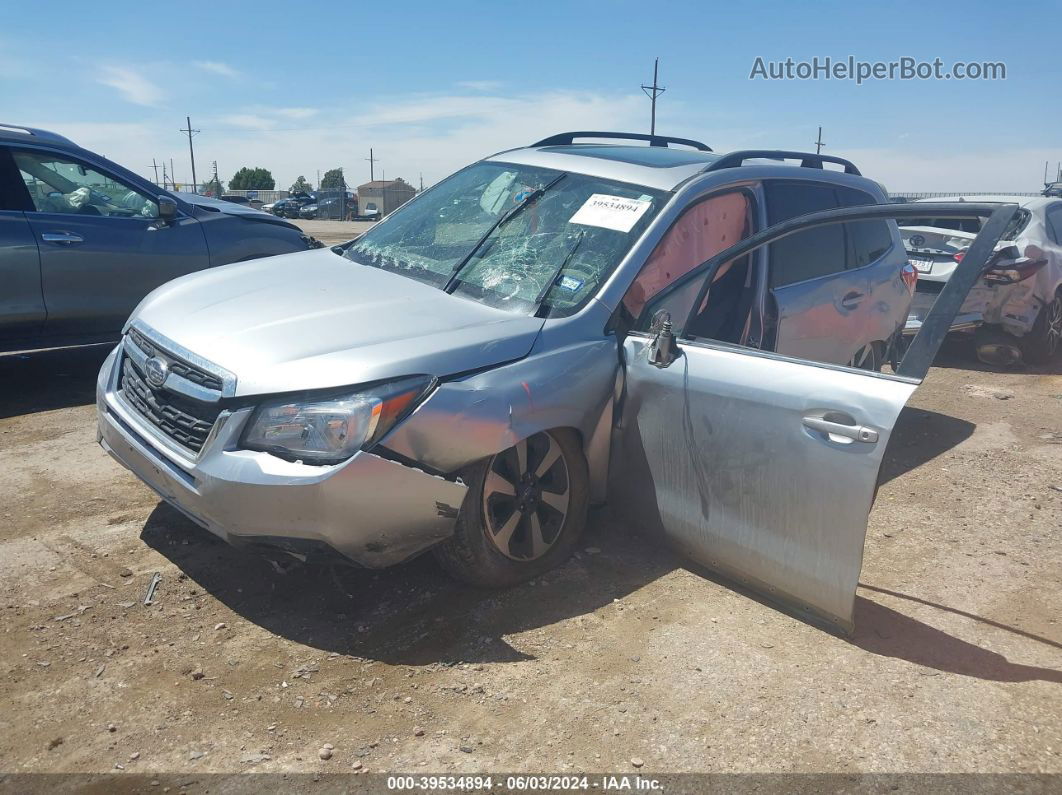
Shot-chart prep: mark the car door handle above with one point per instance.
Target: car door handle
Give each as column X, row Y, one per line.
column 857, row 433
column 851, row 300
column 61, row 237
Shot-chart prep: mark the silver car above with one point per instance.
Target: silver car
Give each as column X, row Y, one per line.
column 548, row 328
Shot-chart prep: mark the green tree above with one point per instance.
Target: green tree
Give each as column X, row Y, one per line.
column 252, row 179
column 300, row 185
column 332, row 180
column 212, row 187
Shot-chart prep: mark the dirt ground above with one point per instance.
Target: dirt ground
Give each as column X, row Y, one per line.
column 622, row 654
column 332, row 232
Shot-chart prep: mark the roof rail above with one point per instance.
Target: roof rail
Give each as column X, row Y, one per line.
column 807, row 159
column 44, row 135
column 567, row 138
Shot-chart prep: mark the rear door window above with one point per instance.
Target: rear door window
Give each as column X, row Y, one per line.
column 813, row 252
column 1054, row 223
column 867, row 241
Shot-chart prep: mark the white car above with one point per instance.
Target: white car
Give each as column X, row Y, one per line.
column 1016, row 316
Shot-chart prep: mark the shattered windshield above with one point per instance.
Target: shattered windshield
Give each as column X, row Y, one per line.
column 514, row 237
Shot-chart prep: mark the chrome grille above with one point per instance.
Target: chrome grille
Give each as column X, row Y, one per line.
column 184, row 369
column 187, row 422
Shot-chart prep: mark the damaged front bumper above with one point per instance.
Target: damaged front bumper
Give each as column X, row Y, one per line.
column 372, row 510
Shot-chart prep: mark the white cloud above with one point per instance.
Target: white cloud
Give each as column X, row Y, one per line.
column 481, row 85
column 217, row 68
column 132, row 85
column 296, row 113
column 251, row 121
column 435, row 135
column 960, row 171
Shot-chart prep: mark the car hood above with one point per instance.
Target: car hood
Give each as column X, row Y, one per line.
column 209, row 204
column 314, row 319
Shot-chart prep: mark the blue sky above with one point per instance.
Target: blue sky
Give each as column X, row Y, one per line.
column 297, row 87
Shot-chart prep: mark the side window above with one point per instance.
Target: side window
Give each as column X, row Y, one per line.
column 12, row 190
column 1054, row 223
column 867, row 240
column 59, row 184
column 701, row 232
column 813, row 252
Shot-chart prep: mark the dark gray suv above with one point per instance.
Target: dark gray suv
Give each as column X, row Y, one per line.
column 83, row 240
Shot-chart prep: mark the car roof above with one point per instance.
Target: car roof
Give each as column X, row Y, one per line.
column 664, row 167
column 654, row 167
column 22, row 134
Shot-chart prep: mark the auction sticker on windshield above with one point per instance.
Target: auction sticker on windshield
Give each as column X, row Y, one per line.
column 610, row 212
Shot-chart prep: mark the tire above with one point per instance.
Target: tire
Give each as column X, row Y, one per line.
column 869, row 357
column 1043, row 341
column 492, row 519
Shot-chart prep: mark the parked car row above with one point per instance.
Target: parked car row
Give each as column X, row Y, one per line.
column 1015, row 312
column 83, row 240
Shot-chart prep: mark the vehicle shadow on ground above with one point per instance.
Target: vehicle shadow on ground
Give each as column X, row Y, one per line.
column 414, row 614
column 958, row 353
column 411, row 614
column 47, row 380
column 886, row 632
column 920, row 436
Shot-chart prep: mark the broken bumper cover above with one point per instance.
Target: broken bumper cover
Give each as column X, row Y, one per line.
column 372, row 510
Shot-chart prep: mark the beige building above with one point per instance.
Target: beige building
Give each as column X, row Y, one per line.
column 384, row 196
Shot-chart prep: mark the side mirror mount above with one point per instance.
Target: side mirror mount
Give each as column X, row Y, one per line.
column 663, row 350
column 167, row 209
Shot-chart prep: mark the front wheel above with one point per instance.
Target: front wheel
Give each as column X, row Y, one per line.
column 1044, row 339
column 523, row 515
column 869, row 357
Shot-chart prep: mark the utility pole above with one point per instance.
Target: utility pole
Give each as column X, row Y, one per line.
column 372, row 162
column 164, row 175
column 155, row 166
column 818, row 143
column 421, row 182
column 173, row 175
column 217, row 182
column 191, row 152
column 653, row 92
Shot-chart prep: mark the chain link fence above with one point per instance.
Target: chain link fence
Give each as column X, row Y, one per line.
column 942, row 194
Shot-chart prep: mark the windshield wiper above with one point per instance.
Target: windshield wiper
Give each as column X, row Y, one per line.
column 548, row 286
column 512, row 212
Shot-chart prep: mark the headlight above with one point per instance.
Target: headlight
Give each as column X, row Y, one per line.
column 329, row 429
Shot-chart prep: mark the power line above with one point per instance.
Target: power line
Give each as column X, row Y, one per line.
column 191, row 152
column 653, row 92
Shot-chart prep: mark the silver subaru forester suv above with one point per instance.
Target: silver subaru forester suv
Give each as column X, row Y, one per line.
column 546, row 329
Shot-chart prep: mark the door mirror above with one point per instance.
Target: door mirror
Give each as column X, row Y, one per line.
column 662, row 350
column 167, row 208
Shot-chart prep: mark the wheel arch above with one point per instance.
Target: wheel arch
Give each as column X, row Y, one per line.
column 472, row 418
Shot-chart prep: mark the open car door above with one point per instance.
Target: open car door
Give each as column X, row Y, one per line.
column 761, row 466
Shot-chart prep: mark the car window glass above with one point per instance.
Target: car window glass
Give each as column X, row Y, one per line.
column 813, row 252
column 1054, row 223
column 12, row 190
column 521, row 236
column 867, row 240
column 59, row 184
column 700, row 233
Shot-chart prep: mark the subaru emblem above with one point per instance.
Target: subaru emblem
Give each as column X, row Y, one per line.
column 156, row 370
